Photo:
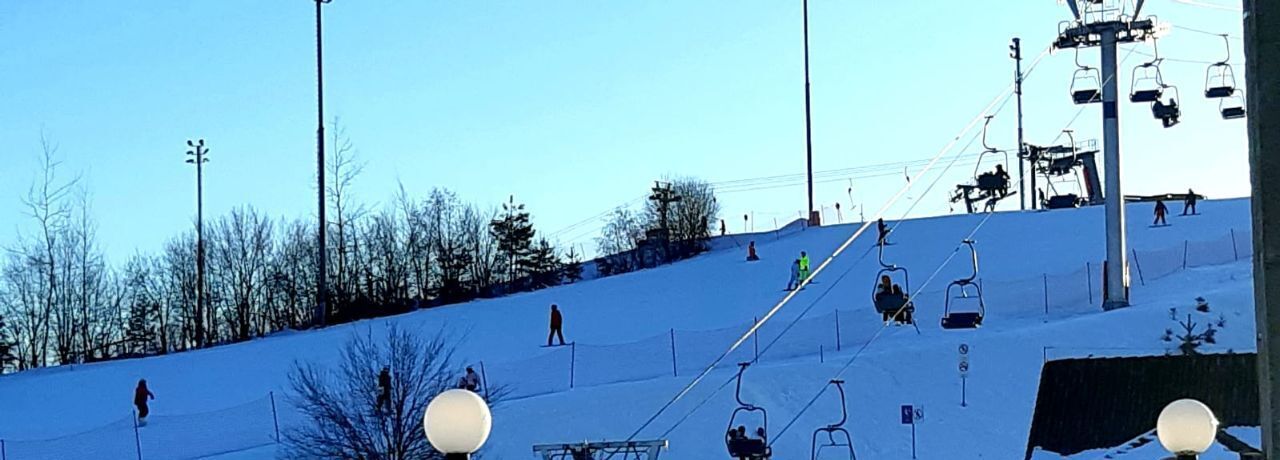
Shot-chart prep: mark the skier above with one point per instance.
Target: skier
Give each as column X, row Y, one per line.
column 1004, row 176
column 804, row 266
column 1190, row 204
column 470, row 381
column 751, row 252
column 885, row 289
column 795, row 276
column 1161, row 210
column 384, row 389
column 557, row 325
column 884, row 232
column 140, row 397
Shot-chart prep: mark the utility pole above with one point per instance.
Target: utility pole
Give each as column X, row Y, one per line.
column 664, row 196
column 1096, row 25
column 322, row 289
column 1016, row 49
column 198, row 153
column 1262, row 80
column 815, row 217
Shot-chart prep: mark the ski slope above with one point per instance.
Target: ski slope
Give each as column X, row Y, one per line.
column 1039, row 271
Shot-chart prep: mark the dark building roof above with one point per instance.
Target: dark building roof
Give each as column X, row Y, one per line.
column 1087, row 404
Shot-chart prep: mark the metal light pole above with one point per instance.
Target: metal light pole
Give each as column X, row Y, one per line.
column 198, row 158
column 1016, row 53
column 814, row 216
column 322, row 271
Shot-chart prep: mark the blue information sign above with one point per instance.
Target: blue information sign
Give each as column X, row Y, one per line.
column 908, row 415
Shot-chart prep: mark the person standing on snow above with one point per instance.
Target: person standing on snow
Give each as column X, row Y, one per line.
column 384, row 389
column 804, row 266
column 1161, row 210
column 751, row 252
column 557, row 325
column 1190, row 204
column 470, row 381
column 795, row 276
column 140, row 397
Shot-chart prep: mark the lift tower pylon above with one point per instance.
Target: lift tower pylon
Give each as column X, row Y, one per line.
column 1105, row 24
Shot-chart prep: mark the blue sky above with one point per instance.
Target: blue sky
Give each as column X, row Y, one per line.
column 573, row 106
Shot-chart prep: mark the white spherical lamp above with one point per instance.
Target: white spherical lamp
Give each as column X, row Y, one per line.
column 457, row 423
column 1186, row 428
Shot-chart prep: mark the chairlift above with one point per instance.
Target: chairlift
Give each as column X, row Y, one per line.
column 966, row 289
column 1147, row 84
column 998, row 180
column 1232, row 107
column 1063, row 167
column 837, row 437
column 891, row 298
column 741, row 444
column 1220, row 78
column 1086, row 83
column 1168, row 112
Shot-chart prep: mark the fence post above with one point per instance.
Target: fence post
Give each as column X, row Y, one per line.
column 1235, row 253
column 137, row 439
column 573, row 361
column 837, row 329
column 1138, row 265
column 484, row 381
column 1185, row 245
column 1045, row 276
column 1088, row 279
column 275, row 419
column 755, row 337
column 675, row 372
column 2, row 455
column 821, row 356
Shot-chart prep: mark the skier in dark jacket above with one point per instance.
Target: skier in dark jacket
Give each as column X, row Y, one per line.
column 794, row 282
column 470, row 381
column 557, row 325
column 1190, row 204
column 140, row 397
column 1161, row 210
column 751, row 252
column 384, row 389
column 884, row 232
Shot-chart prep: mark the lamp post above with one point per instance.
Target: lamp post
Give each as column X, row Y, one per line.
column 1186, row 428
column 457, row 423
column 197, row 154
column 321, row 248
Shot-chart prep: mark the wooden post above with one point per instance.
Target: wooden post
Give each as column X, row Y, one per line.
column 275, row 419
column 837, row 330
column 573, row 361
column 675, row 370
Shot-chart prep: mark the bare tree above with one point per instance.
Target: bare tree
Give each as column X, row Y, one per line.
column 622, row 232
column 241, row 246
column 344, row 417
column 47, row 204
column 344, row 168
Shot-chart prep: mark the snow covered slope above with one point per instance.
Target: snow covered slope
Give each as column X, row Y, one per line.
column 1039, row 269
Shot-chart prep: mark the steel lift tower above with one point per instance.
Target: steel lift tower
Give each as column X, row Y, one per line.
column 1105, row 25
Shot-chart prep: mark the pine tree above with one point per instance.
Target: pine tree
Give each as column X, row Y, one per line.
column 572, row 266
column 544, row 264
column 514, row 233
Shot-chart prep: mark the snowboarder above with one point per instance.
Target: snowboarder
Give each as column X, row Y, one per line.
column 751, row 252
column 884, row 232
column 1161, row 210
column 384, row 389
column 470, row 381
column 795, row 276
column 140, row 397
column 557, row 325
column 1189, row 206
column 804, row 266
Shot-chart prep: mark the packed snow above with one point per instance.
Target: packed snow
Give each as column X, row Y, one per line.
column 641, row 337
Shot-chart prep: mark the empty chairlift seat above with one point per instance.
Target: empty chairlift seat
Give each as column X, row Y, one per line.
column 971, row 292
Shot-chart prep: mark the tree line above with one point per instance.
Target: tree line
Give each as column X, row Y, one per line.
column 62, row 302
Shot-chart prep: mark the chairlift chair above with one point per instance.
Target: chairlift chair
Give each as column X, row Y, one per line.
column 967, row 289
column 837, row 435
column 1220, row 78
column 1147, row 84
column 744, row 447
column 893, row 303
column 990, row 182
column 1086, row 83
column 1232, row 108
